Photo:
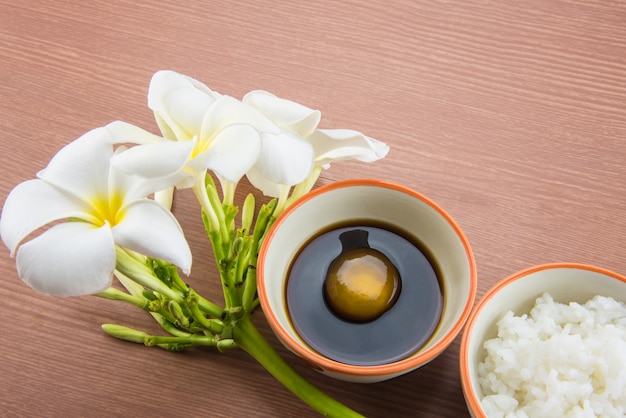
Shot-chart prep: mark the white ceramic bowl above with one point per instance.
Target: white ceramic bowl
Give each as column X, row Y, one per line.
column 376, row 201
column 565, row 282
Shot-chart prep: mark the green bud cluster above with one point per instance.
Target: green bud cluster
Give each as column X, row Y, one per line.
column 189, row 319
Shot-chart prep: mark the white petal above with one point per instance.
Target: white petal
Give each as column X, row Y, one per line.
column 69, row 259
column 232, row 152
column 228, row 111
column 185, row 109
column 143, row 169
column 156, row 160
column 33, row 204
column 165, row 197
column 342, row 144
column 131, row 187
column 293, row 116
column 123, row 132
column 258, row 180
column 150, row 229
column 285, row 158
column 179, row 102
column 82, row 166
column 164, row 81
column 165, row 128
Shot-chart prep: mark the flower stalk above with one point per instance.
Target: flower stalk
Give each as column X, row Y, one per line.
column 191, row 320
column 252, row 342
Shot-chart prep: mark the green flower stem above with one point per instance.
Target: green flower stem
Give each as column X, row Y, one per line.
column 214, row 326
column 228, row 189
column 243, row 257
column 282, row 199
column 191, row 340
column 180, row 283
column 168, row 326
column 227, row 286
column 302, row 188
column 249, row 339
column 209, row 307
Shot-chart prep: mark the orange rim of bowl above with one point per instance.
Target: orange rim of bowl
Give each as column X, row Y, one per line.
column 397, row 367
column 471, row 399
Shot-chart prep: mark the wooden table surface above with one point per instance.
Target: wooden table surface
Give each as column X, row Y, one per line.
column 510, row 115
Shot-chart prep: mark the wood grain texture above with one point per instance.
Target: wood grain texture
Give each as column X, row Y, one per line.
column 511, row 115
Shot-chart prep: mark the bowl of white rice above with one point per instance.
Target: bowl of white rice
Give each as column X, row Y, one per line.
column 549, row 341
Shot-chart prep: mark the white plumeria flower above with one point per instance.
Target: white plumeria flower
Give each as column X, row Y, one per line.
column 87, row 207
column 323, row 146
column 225, row 131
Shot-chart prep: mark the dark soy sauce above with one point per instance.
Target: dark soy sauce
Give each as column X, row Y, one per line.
column 398, row 332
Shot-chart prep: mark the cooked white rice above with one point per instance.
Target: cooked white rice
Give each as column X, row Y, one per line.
column 558, row 361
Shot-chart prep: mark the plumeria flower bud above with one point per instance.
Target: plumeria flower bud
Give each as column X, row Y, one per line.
column 125, row 333
column 247, row 212
column 174, row 308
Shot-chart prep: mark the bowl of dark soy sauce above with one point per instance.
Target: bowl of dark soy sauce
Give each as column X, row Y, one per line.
column 366, row 280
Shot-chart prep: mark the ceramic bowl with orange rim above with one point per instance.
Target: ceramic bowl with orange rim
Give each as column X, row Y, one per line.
column 366, row 280
column 539, row 354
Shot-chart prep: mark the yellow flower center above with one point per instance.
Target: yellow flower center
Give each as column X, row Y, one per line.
column 108, row 209
column 199, row 147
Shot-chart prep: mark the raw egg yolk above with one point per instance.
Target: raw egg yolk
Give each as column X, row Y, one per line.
column 361, row 285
